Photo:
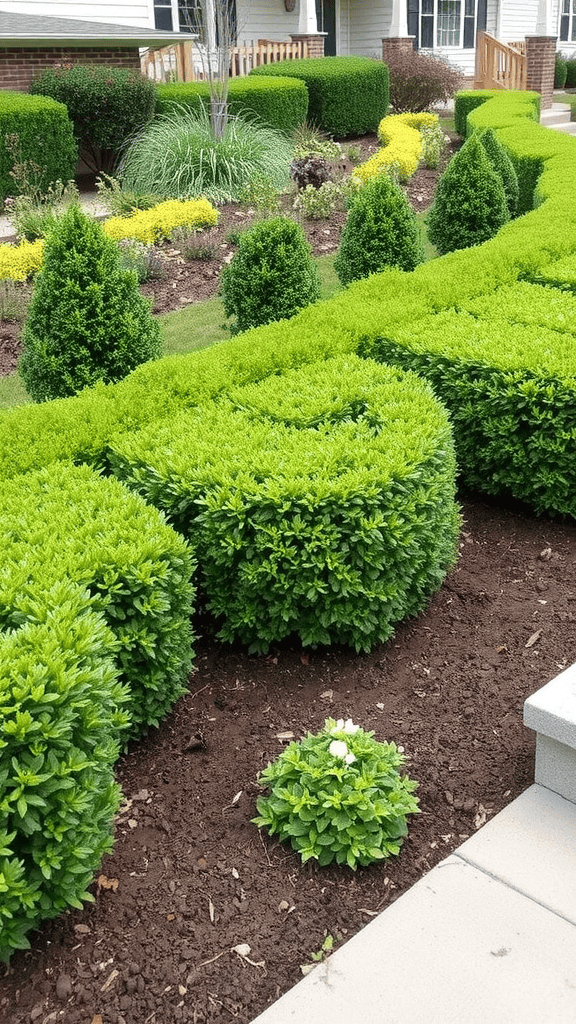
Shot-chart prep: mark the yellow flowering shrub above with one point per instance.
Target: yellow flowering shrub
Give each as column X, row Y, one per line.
column 17, row 262
column 401, row 147
column 154, row 225
column 418, row 121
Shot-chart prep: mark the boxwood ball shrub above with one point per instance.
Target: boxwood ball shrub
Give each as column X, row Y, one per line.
column 338, row 796
column 502, row 164
column 44, row 137
column 380, row 231
column 320, row 503
column 470, row 204
column 87, row 320
column 60, row 729
column 105, row 104
column 272, row 275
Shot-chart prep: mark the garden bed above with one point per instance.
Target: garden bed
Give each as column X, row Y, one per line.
column 191, row 877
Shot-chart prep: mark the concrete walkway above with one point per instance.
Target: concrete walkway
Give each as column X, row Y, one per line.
column 489, row 935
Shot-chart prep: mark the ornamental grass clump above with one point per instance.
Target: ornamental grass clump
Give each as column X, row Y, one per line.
column 338, row 796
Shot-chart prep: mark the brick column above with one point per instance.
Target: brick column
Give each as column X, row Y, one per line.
column 314, row 41
column 391, row 47
column 540, row 52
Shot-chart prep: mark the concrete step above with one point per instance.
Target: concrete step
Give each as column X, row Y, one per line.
column 558, row 113
column 566, row 129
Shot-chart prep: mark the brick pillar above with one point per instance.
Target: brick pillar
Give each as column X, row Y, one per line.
column 315, row 41
column 390, row 47
column 540, row 52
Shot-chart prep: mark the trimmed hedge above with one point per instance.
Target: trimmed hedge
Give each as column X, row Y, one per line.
column 45, row 138
column 66, row 522
column 60, row 729
column 281, row 103
column 561, row 274
column 511, row 393
column 570, row 82
column 321, row 503
column 346, row 95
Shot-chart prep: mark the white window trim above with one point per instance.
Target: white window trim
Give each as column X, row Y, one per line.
column 446, row 46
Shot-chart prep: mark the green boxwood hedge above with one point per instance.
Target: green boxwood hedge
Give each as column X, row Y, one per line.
column 320, row 503
column 60, row 729
column 346, row 95
column 281, row 103
column 66, row 522
column 45, row 137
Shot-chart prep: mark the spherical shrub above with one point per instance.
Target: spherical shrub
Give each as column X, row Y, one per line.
column 502, row 164
column 271, row 277
column 470, row 205
column 87, row 320
column 380, row 232
column 338, row 796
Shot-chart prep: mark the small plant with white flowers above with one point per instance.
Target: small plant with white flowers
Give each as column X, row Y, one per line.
column 338, row 796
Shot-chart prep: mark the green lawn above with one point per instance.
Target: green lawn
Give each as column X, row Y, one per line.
column 567, row 97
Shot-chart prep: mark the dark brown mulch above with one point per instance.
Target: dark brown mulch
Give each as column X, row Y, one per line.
column 191, row 877
column 185, row 281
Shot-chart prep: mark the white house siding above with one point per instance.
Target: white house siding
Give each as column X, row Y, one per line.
column 363, row 26
column 456, row 56
column 259, row 19
column 137, row 13
column 517, row 20
column 492, row 11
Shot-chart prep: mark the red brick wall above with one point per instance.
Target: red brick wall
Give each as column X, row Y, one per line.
column 19, row 65
column 315, row 43
column 540, row 52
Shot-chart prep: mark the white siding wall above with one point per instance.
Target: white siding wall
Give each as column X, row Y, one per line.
column 363, row 26
column 130, row 12
column 492, row 9
column 518, row 18
column 456, row 56
column 260, row 19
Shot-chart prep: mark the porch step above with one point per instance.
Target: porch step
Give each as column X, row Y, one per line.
column 566, row 129
column 558, row 113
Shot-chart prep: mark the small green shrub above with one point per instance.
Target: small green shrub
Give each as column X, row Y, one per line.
column 143, row 260
column 44, row 137
column 338, row 796
column 380, row 232
column 60, row 730
column 570, row 74
column 320, row 203
column 281, row 104
column 308, row 140
column 560, row 71
column 87, row 321
column 433, row 145
column 470, row 204
column 14, row 301
column 106, row 106
column 178, row 156
column 271, row 277
column 502, row 164
column 119, row 201
column 320, row 502
column 346, row 95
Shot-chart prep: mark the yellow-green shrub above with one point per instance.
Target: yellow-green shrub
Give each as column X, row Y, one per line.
column 156, row 224
column 401, row 149
column 17, row 262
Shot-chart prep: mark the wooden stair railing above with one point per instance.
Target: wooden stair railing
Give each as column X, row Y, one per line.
column 499, row 65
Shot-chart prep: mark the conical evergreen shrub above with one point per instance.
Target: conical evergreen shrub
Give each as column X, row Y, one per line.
column 272, row 276
column 470, row 205
column 380, row 232
column 87, row 321
column 502, row 164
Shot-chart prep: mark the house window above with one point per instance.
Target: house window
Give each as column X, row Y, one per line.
column 448, row 23
column 568, row 21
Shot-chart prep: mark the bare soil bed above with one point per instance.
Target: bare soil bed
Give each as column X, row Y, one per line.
column 190, row 877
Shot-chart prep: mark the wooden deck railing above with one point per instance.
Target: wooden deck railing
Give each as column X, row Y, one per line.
column 185, row 62
column 499, row 65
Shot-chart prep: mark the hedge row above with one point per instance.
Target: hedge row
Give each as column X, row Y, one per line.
column 281, row 103
column 320, row 503
column 44, row 137
column 346, row 95
column 66, row 522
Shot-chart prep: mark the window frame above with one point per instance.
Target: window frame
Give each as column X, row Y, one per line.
column 423, row 22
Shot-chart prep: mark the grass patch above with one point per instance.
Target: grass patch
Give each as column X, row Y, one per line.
column 570, row 99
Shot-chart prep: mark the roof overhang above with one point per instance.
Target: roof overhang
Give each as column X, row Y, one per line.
column 23, row 30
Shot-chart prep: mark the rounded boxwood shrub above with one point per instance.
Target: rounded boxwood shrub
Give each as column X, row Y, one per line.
column 40, row 132
column 338, row 796
column 106, row 106
column 380, row 232
column 87, row 320
column 272, row 276
column 470, row 205
column 502, row 164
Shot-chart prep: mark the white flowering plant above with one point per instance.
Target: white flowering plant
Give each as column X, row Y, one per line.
column 338, row 796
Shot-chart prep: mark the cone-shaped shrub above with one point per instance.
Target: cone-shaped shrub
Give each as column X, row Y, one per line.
column 87, row 320
column 470, row 205
column 502, row 164
column 271, row 277
column 380, row 232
